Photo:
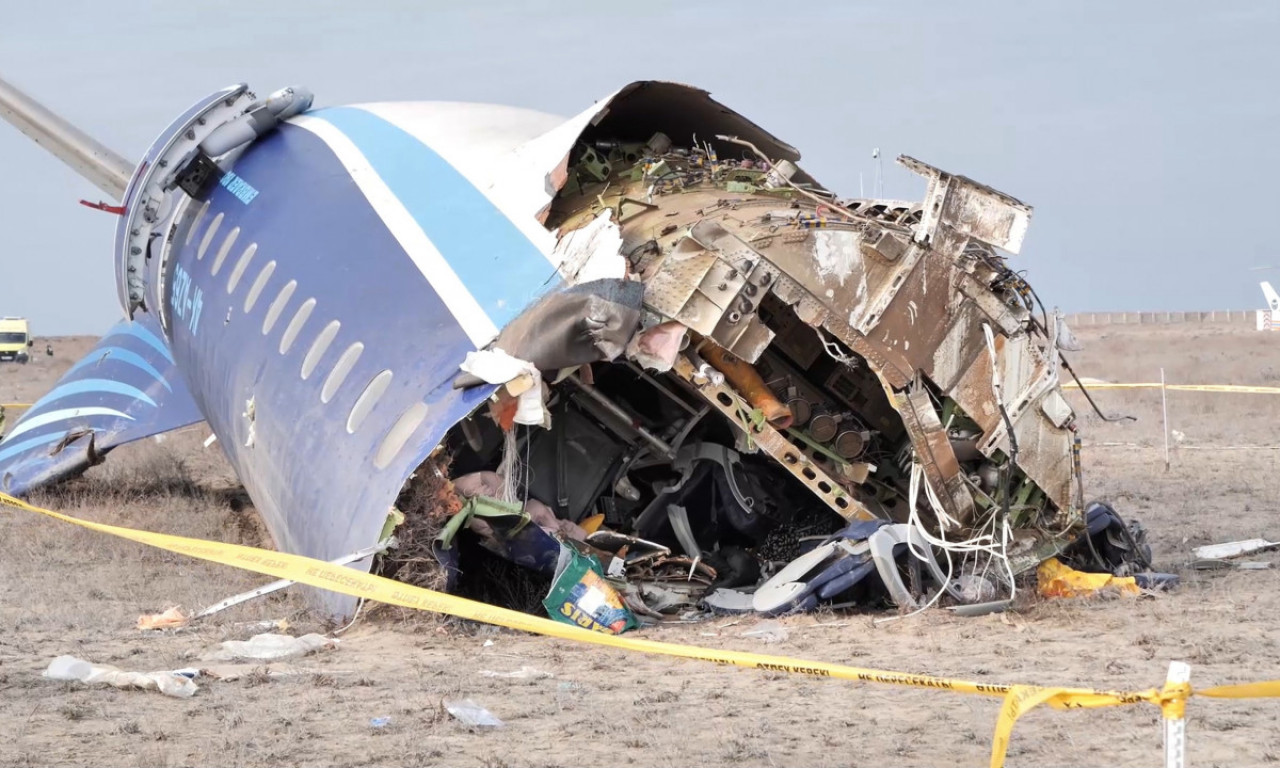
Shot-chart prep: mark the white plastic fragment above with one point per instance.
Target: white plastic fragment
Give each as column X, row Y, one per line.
column 729, row 601
column 269, row 647
column 495, row 366
column 769, row 632
column 176, row 683
column 1233, row 549
column 523, row 673
column 470, row 713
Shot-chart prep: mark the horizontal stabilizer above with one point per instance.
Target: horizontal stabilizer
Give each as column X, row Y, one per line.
column 125, row 389
column 105, row 169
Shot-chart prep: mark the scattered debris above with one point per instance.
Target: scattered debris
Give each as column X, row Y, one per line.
column 1232, row 549
column 1058, row 580
column 729, row 601
column 971, row 610
column 279, row 625
column 379, row 722
column 769, row 632
column 1108, row 547
column 276, row 586
column 270, row 647
column 177, row 683
column 470, row 713
column 1239, row 565
column 229, row 673
column 1157, row 581
column 171, row 618
column 580, row 595
column 1108, row 544
column 523, row 673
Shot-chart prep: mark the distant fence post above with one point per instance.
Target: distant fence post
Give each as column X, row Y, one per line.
column 1163, row 317
column 1164, row 410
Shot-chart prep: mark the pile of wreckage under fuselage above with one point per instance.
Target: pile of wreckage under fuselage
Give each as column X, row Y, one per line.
column 800, row 401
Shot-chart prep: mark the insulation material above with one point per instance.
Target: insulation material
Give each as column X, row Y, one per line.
column 591, row 252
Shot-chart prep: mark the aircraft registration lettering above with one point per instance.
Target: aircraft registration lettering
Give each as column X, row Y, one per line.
column 186, row 299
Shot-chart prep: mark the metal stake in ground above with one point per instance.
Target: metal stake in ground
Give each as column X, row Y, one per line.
column 1174, row 713
column 1164, row 409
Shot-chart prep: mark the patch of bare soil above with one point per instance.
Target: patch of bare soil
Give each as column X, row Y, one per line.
column 66, row 590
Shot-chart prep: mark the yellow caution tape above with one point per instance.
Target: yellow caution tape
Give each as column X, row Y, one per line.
column 1267, row 689
column 1018, row 699
column 1237, row 388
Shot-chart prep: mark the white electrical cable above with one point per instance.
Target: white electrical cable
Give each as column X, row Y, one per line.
column 983, row 543
column 913, row 496
column 833, row 351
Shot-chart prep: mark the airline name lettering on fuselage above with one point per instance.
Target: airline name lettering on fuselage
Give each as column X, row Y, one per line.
column 243, row 190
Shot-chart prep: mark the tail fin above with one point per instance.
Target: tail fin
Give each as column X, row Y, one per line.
column 125, row 389
column 1273, row 299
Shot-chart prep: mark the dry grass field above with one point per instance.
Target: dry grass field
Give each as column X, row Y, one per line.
column 64, row 590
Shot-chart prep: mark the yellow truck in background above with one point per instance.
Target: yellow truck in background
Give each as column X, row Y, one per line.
column 15, row 340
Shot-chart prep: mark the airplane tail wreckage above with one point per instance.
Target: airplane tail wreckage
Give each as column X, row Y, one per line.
column 637, row 364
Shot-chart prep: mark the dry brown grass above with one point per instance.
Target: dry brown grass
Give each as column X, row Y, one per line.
column 64, row 590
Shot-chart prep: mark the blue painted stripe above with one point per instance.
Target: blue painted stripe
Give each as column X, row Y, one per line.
column 106, row 354
column 96, row 385
column 140, row 331
column 500, row 267
column 8, row 450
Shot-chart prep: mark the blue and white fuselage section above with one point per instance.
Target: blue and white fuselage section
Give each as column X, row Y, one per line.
column 315, row 307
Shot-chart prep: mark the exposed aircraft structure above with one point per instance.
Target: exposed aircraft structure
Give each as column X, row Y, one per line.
column 645, row 328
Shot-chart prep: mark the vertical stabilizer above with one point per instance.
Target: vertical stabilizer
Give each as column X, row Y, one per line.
column 1273, row 299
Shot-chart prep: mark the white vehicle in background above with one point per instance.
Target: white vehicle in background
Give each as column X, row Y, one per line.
column 15, row 340
column 1269, row 318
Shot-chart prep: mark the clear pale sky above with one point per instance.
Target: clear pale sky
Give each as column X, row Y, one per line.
column 1143, row 133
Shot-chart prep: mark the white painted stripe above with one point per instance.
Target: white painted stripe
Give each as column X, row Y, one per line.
column 479, row 140
column 462, row 305
column 66, row 413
